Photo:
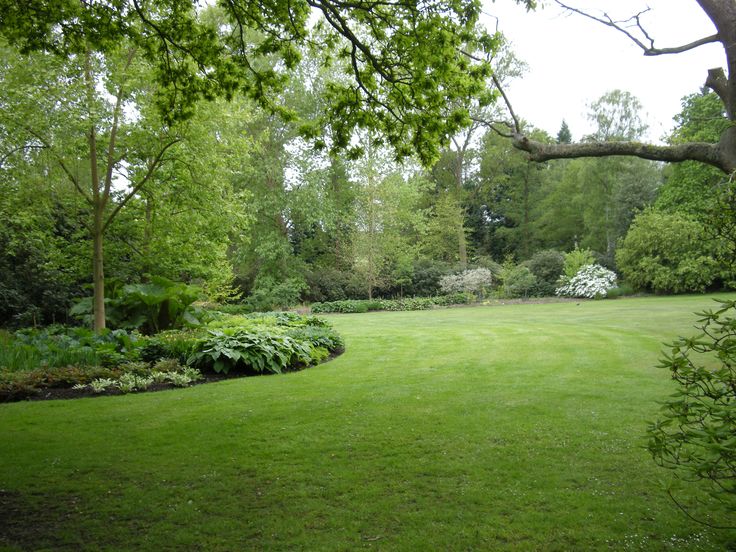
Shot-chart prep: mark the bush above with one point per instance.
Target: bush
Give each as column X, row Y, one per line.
column 591, row 281
column 547, row 266
column 575, row 260
column 622, row 290
column 425, row 280
column 176, row 344
column 696, row 436
column 268, row 294
column 250, row 352
column 405, row 304
column 57, row 346
column 477, row 281
column 667, row 253
column 518, row 281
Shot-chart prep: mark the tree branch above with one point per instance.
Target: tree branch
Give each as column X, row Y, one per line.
column 697, row 151
column 649, row 50
column 6, row 156
column 149, row 173
column 517, row 124
column 718, row 82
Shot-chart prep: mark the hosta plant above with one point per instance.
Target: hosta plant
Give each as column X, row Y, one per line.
column 259, row 352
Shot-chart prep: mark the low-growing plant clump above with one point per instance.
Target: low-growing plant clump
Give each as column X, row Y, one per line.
column 59, row 360
column 405, row 304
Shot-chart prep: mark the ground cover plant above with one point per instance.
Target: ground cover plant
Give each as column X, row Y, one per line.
column 63, row 362
column 520, row 427
column 405, row 304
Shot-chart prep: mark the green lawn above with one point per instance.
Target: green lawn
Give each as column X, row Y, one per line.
column 514, row 427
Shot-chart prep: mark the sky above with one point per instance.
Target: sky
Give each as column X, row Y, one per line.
column 572, row 61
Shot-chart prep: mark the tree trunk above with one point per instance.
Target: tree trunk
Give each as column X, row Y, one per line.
column 98, row 206
column 98, row 272
column 461, row 241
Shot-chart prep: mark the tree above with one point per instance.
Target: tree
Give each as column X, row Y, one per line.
column 75, row 109
column 408, row 61
column 703, row 119
column 719, row 153
column 389, row 222
column 564, row 136
column 509, row 188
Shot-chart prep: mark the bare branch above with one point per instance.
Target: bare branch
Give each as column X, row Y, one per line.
column 649, row 50
column 718, row 82
column 517, row 125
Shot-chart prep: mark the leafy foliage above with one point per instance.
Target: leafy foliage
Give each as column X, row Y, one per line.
column 254, row 352
column 405, row 304
column 696, row 435
column 477, row 281
column 517, row 280
column 575, row 260
column 408, row 61
column 667, row 253
column 149, row 307
column 58, row 346
column 547, row 266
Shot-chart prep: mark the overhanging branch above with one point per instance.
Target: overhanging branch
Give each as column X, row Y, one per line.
column 697, row 151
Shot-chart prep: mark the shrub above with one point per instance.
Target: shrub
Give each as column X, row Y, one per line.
column 329, row 284
column 322, row 337
column 268, row 294
column 61, row 346
column 407, row 303
column 575, row 260
column 667, row 253
column 518, row 281
column 477, row 281
column 622, row 290
column 547, row 266
column 425, row 280
column 696, row 436
column 590, row 282
column 176, row 344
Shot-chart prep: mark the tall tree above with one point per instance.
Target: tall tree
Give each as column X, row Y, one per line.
column 564, row 136
column 89, row 112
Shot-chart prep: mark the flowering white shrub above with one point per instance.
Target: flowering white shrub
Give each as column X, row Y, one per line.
column 476, row 281
column 592, row 280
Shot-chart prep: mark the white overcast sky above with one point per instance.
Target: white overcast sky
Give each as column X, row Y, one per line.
column 573, row 61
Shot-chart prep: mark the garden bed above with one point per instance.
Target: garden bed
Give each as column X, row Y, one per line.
column 67, row 363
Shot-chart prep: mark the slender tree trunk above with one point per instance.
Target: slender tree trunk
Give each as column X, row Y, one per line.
column 461, row 239
column 98, row 205
column 98, row 272
column 148, row 235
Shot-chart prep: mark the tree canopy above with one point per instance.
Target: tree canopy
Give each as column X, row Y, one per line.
column 404, row 61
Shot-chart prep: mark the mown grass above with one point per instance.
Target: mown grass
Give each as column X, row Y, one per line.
column 488, row 428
